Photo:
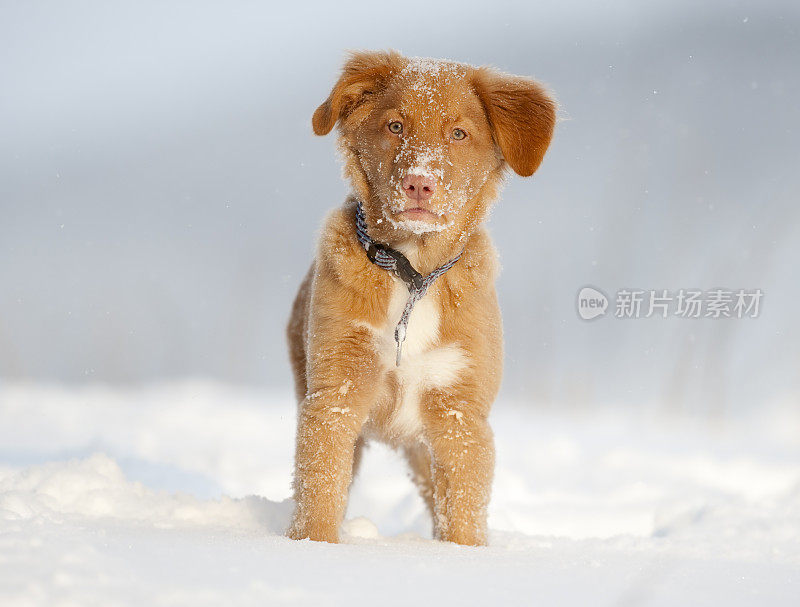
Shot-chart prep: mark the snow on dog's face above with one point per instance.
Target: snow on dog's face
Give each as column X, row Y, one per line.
column 423, row 137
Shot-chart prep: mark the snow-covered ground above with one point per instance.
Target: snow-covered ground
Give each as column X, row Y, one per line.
column 176, row 494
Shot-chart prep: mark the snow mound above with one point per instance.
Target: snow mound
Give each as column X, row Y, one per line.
column 96, row 488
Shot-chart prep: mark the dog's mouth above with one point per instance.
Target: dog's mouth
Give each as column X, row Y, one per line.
column 419, row 214
column 416, row 216
column 416, row 219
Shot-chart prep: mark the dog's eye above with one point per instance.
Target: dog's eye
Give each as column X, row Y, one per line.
column 459, row 134
column 396, row 127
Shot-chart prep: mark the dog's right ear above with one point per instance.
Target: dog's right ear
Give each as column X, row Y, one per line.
column 364, row 73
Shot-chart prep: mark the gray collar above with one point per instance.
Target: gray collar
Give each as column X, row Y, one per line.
column 392, row 260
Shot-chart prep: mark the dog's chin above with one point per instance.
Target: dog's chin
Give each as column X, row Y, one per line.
column 417, row 220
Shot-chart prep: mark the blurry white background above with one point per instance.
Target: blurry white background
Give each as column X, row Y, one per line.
column 160, row 187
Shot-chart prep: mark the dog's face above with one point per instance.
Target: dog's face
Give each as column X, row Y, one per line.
column 426, row 146
column 424, row 137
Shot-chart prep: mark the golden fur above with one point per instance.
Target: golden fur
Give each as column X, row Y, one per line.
column 434, row 406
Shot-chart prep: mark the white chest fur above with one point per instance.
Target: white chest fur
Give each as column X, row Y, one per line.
column 425, row 363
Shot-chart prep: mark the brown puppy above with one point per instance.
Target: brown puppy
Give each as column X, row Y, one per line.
column 426, row 144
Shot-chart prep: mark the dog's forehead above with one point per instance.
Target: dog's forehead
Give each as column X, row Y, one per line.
column 434, row 87
column 422, row 71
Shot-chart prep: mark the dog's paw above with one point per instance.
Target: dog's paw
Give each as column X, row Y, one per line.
column 316, row 533
column 466, row 535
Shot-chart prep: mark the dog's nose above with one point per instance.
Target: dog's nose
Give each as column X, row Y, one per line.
column 418, row 187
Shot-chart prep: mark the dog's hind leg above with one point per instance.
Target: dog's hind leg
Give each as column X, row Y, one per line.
column 419, row 461
column 296, row 333
column 358, row 453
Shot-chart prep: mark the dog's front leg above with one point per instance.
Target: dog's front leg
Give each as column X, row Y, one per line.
column 462, row 450
column 343, row 383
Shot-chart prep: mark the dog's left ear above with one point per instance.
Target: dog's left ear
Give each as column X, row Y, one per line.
column 364, row 73
column 521, row 114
